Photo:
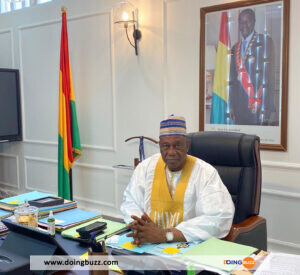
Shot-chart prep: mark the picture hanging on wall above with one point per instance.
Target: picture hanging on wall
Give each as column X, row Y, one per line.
column 244, row 69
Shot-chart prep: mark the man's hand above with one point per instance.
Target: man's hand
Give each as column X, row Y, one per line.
column 144, row 230
column 134, row 231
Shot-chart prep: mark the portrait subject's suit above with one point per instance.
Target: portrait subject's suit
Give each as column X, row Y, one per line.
column 251, row 86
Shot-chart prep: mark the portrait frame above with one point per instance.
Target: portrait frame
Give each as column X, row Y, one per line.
column 268, row 113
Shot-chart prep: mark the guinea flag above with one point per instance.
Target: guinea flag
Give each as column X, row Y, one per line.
column 219, row 106
column 69, row 148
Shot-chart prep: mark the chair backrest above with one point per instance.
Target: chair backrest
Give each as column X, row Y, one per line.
column 237, row 159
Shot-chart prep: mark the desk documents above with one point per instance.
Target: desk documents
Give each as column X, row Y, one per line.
column 279, row 264
column 4, row 213
column 12, row 203
column 175, row 249
column 213, row 251
column 70, row 218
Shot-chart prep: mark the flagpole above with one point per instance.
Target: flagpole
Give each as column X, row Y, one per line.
column 71, row 184
column 69, row 147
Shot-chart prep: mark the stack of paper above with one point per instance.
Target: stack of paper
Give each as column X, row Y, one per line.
column 12, row 203
column 215, row 253
column 44, row 211
column 111, row 229
column 174, row 249
column 3, row 229
column 4, row 213
column 70, row 218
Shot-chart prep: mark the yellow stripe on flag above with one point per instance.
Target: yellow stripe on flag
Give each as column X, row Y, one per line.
column 222, row 69
column 63, row 124
column 72, row 96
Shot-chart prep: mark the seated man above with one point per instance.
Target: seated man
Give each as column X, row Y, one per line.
column 176, row 197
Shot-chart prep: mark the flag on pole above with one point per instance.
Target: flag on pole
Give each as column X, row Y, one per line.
column 219, row 104
column 69, row 148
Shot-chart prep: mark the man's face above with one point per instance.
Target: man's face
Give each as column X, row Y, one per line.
column 173, row 150
column 246, row 24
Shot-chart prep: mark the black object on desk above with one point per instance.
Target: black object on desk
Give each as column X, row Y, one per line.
column 86, row 232
column 47, row 201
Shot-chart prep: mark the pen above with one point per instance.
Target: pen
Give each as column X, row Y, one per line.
column 104, row 243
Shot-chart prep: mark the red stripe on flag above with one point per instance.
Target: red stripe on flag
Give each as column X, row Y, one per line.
column 65, row 69
column 224, row 34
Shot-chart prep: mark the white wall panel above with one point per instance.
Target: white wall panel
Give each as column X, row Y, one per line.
column 286, row 177
column 281, row 211
column 41, row 174
column 123, row 178
column 95, row 184
column 181, row 39
column 90, row 55
column 39, row 53
column 6, row 54
column 9, row 170
column 91, row 70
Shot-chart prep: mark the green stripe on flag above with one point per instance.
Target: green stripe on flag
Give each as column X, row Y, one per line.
column 75, row 131
column 63, row 175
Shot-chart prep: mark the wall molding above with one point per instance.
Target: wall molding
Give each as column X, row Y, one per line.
column 56, row 21
column 283, row 243
column 39, row 189
column 113, row 79
column 5, row 30
column 280, row 164
column 280, row 193
column 70, row 18
column 104, row 212
column 78, row 199
column 83, row 165
column 37, row 159
column 17, row 168
column 10, row 31
column 84, row 146
column 99, row 167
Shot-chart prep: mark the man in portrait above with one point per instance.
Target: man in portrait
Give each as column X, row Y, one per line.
column 251, row 86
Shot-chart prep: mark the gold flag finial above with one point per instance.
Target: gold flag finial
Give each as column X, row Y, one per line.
column 63, row 9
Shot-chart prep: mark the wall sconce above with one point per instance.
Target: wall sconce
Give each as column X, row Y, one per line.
column 124, row 14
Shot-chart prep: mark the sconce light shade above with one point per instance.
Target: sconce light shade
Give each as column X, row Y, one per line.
column 124, row 15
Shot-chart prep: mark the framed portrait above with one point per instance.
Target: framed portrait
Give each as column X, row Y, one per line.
column 244, row 69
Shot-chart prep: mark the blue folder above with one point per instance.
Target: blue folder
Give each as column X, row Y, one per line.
column 71, row 216
column 20, row 199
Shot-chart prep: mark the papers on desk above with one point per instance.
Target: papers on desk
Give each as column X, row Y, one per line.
column 213, row 252
column 175, row 249
column 12, row 203
column 126, row 243
column 278, row 264
column 67, row 205
column 70, row 218
column 4, row 213
column 111, row 229
column 3, row 229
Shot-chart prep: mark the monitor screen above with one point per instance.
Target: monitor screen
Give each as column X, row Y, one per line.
column 10, row 105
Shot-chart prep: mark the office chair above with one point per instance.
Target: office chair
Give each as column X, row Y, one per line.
column 237, row 159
